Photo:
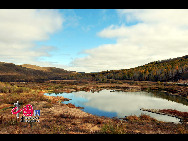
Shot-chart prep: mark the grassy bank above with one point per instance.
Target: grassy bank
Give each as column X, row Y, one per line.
column 58, row 118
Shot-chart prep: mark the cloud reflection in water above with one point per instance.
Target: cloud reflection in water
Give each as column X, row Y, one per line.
column 120, row 104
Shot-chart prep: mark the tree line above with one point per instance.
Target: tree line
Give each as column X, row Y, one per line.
column 164, row 70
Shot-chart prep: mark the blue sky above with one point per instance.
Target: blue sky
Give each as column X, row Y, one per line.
column 92, row 40
column 78, row 33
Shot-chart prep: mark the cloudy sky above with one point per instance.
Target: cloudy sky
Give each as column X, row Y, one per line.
column 92, row 40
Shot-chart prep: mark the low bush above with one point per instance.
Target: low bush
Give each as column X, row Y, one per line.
column 112, row 128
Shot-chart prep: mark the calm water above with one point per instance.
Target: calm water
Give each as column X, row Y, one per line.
column 121, row 104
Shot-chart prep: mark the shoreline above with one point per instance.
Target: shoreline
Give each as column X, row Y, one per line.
column 58, row 118
column 111, row 90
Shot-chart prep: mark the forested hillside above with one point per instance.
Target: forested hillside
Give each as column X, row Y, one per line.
column 11, row 72
column 164, row 70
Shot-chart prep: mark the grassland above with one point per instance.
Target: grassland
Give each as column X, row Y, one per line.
column 58, row 118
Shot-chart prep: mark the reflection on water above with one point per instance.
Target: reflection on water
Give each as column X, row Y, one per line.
column 120, row 104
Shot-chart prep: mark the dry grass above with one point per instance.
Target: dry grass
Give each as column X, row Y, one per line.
column 59, row 118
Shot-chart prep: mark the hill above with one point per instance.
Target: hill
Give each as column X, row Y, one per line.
column 11, row 72
column 164, row 70
column 47, row 69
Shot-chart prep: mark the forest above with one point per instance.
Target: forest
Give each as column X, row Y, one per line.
column 162, row 70
column 10, row 72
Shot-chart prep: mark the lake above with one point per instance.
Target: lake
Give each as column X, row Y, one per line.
column 120, row 104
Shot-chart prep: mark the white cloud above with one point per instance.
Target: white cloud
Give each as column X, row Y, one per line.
column 157, row 34
column 154, row 16
column 21, row 28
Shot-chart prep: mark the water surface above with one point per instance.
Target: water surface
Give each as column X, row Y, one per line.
column 121, row 104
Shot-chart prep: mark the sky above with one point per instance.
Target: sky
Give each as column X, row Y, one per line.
column 92, row 40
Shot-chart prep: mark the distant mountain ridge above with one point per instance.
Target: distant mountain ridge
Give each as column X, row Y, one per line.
column 164, row 70
column 11, row 72
column 36, row 67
